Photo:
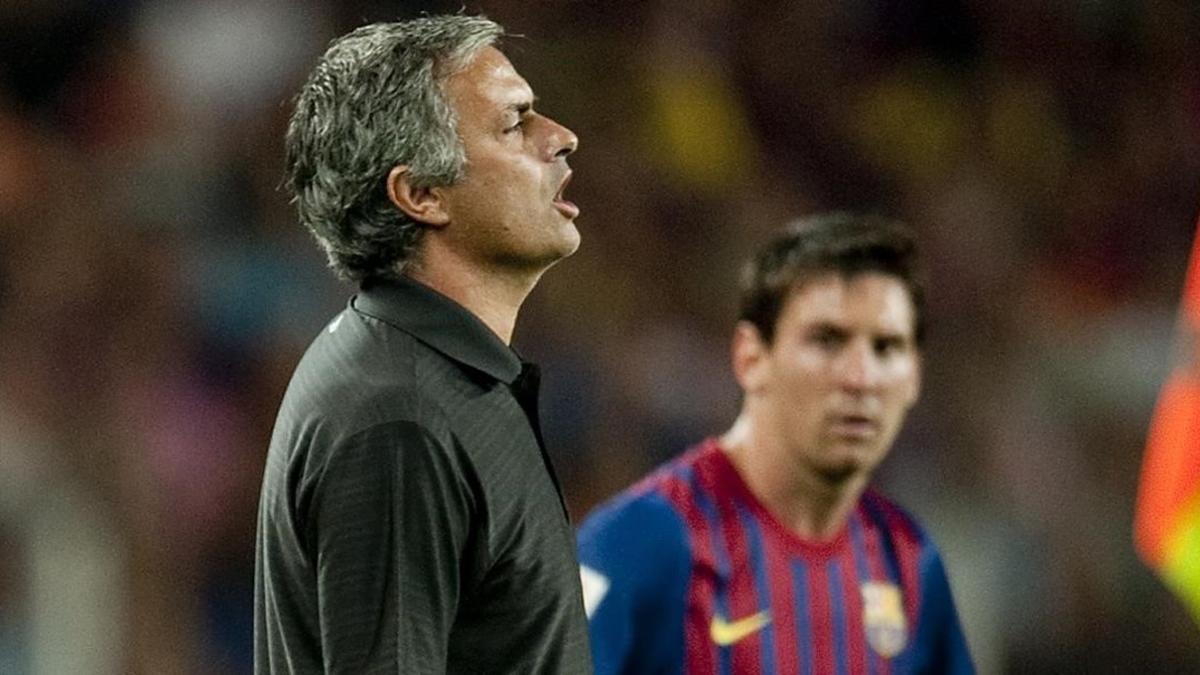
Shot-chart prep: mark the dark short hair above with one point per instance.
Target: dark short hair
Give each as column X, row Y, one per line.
column 374, row 101
column 848, row 244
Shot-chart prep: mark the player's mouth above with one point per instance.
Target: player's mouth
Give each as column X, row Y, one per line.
column 856, row 427
column 569, row 210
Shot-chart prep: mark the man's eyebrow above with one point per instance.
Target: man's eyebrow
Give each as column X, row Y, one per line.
column 521, row 107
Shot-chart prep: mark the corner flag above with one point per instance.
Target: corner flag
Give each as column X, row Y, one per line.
column 1167, row 518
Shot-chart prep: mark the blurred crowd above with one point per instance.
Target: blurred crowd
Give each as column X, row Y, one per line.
column 156, row 291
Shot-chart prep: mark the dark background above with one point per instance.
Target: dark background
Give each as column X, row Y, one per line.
column 156, row 291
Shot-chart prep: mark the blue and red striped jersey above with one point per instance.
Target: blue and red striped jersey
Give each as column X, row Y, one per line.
column 688, row 572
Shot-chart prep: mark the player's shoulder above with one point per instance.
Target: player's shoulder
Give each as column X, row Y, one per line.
column 884, row 512
column 642, row 502
column 660, row 493
column 639, row 540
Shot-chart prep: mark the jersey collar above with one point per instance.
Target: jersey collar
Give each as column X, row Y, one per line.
column 439, row 322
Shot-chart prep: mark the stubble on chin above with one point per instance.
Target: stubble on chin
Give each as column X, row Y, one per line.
column 842, row 464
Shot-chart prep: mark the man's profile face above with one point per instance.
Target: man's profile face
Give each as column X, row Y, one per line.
column 842, row 372
column 508, row 210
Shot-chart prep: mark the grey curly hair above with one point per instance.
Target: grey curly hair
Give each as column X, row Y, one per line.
column 375, row 101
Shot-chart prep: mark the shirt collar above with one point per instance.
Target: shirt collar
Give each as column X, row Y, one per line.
column 439, row 322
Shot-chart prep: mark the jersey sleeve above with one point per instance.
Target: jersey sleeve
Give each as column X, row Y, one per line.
column 388, row 518
column 635, row 564
column 940, row 634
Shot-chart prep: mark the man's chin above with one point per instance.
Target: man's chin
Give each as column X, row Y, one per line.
column 567, row 243
column 572, row 241
column 552, row 253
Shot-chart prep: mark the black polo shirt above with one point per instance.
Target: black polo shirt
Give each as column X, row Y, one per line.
column 410, row 521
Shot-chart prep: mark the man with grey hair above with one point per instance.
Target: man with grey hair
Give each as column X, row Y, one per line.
column 410, row 520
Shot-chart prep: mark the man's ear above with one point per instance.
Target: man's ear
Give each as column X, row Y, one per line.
column 750, row 357
column 422, row 204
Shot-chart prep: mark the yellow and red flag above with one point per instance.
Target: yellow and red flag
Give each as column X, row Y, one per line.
column 1167, row 519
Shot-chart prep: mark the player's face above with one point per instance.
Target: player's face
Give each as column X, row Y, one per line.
column 842, row 372
column 508, row 210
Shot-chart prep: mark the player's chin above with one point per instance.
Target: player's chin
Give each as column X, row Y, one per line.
column 849, row 460
column 838, row 473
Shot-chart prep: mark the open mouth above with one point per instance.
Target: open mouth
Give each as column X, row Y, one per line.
column 564, row 206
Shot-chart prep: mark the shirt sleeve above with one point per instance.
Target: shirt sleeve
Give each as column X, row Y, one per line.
column 635, row 566
column 389, row 517
column 940, row 633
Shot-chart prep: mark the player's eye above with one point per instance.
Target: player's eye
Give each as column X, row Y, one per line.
column 827, row 338
column 888, row 346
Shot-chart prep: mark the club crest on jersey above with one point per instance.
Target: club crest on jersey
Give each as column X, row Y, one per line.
column 883, row 618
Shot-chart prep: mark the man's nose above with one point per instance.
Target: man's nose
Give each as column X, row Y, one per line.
column 561, row 141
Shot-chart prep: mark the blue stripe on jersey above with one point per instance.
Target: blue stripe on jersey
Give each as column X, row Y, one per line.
column 859, row 546
column 838, row 605
column 681, row 472
column 890, row 558
column 709, row 509
column 804, row 637
column 761, row 589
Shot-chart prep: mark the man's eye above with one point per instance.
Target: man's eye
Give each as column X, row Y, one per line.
column 516, row 127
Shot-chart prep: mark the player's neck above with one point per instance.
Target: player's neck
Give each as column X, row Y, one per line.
column 493, row 295
column 806, row 503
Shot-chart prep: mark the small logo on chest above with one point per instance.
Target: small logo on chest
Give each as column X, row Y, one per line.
column 883, row 618
column 725, row 633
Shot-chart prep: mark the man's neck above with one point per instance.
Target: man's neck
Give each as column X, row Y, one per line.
column 805, row 502
column 492, row 296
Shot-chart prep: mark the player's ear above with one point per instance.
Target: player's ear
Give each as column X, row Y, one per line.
column 422, row 204
column 748, row 353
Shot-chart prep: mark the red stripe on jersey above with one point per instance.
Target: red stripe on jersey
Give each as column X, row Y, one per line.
column 742, row 600
column 783, row 607
column 699, row 652
column 856, row 647
column 821, row 619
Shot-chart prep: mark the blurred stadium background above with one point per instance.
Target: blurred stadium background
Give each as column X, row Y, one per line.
column 155, row 290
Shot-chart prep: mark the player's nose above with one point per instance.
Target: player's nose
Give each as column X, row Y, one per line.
column 859, row 368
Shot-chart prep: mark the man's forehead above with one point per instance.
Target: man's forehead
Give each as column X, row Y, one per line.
column 491, row 74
